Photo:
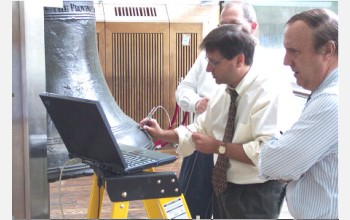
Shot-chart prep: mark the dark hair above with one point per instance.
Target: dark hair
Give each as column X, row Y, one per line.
column 324, row 24
column 230, row 40
column 248, row 10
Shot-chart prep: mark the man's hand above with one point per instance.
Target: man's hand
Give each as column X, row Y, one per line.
column 204, row 143
column 152, row 127
column 202, row 105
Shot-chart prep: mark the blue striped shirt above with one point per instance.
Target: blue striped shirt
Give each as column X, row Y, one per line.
column 307, row 154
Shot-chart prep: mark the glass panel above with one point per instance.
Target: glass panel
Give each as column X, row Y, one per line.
column 272, row 16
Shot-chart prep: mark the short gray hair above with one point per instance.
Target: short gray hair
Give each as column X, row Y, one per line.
column 248, row 10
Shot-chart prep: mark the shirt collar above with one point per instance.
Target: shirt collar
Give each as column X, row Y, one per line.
column 328, row 81
column 246, row 81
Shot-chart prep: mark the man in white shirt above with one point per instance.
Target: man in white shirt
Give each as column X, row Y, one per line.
column 192, row 95
column 229, row 51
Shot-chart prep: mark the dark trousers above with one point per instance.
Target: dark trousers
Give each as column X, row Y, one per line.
column 251, row 201
column 195, row 183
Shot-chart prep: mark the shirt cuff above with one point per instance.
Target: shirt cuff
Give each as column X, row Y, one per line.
column 252, row 150
column 193, row 104
column 186, row 147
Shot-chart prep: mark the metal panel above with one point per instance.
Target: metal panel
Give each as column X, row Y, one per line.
column 18, row 179
column 33, row 82
column 29, row 116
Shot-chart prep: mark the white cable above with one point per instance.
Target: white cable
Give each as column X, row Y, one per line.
column 73, row 160
column 154, row 109
column 151, row 113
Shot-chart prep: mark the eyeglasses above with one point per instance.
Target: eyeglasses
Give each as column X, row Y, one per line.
column 231, row 23
column 214, row 63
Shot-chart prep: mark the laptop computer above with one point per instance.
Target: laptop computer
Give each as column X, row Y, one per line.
column 84, row 129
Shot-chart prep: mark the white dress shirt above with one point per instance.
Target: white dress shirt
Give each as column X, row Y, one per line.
column 197, row 84
column 263, row 109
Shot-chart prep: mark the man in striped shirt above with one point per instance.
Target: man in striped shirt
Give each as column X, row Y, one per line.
column 306, row 156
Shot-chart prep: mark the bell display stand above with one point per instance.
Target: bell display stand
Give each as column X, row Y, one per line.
column 159, row 192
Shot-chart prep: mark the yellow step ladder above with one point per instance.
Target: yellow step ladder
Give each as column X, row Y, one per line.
column 159, row 192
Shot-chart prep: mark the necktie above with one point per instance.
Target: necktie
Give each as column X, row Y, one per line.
column 308, row 98
column 219, row 177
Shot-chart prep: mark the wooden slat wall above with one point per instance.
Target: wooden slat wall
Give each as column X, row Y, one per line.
column 144, row 61
column 137, row 66
column 137, row 72
column 185, row 57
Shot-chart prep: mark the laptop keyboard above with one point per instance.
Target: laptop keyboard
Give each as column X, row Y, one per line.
column 134, row 160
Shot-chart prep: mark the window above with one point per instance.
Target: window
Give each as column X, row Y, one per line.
column 272, row 16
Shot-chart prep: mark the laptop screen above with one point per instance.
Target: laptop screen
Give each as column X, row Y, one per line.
column 87, row 134
column 84, row 129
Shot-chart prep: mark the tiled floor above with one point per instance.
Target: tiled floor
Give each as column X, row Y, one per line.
column 75, row 194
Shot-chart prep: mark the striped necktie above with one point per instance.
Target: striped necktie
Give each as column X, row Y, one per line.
column 219, row 177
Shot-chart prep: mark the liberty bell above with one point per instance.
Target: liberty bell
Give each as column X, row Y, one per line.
column 73, row 69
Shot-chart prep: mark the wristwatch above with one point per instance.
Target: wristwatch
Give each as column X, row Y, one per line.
column 222, row 148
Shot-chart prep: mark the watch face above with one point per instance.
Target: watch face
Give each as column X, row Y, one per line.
column 222, row 149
